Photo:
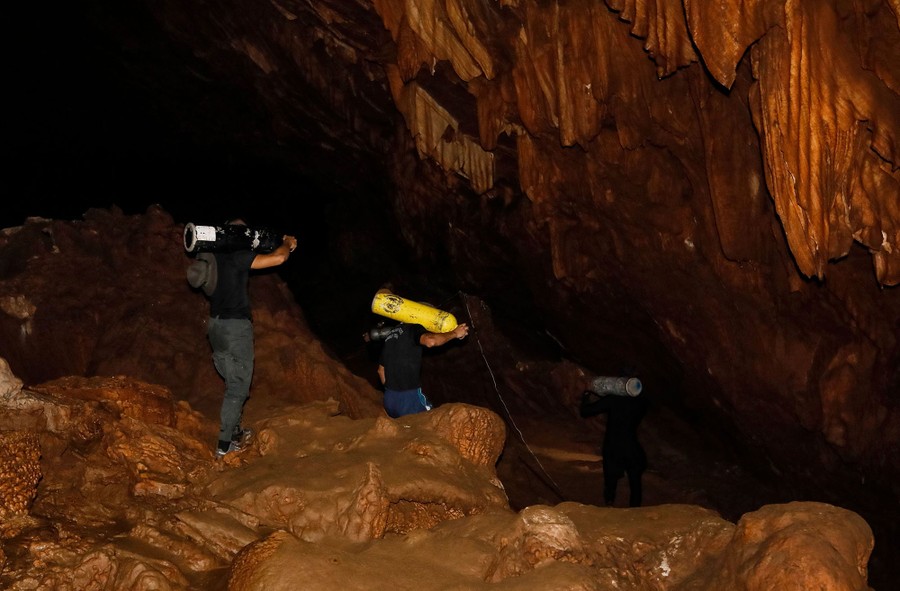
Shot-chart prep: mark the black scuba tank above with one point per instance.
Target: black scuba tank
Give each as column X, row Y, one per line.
column 228, row 238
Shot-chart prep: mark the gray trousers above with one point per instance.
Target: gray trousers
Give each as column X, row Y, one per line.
column 232, row 345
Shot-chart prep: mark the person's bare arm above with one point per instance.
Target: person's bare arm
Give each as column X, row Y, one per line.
column 436, row 339
column 277, row 256
column 381, row 373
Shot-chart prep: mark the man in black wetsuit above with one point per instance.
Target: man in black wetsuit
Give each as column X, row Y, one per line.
column 622, row 452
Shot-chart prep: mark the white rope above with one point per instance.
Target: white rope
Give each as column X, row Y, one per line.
column 503, row 402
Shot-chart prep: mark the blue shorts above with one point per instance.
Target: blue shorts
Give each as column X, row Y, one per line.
column 405, row 402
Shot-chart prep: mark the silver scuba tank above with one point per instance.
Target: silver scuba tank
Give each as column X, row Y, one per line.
column 617, row 386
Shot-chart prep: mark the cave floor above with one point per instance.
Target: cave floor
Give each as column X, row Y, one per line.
column 560, row 461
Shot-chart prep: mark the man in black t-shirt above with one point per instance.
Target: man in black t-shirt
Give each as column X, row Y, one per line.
column 400, row 366
column 230, row 329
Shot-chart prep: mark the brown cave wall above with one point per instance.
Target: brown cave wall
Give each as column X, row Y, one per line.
column 107, row 296
column 803, row 389
column 561, row 73
column 669, row 178
column 656, row 191
column 705, row 191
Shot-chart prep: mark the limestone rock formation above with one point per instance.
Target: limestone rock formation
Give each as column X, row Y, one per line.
column 704, row 193
column 370, row 478
column 792, row 105
column 323, row 501
column 114, row 347
column 127, row 310
column 742, row 156
column 21, row 471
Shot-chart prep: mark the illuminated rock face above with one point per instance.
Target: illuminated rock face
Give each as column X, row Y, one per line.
column 730, row 106
column 705, row 192
column 20, row 453
column 125, row 440
column 319, row 500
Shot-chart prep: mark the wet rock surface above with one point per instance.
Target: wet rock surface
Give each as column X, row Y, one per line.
column 499, row 484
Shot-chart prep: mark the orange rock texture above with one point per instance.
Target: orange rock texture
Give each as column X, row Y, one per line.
column 20, row 472
column 821, row 90
column 704, row 193
column 323, row 501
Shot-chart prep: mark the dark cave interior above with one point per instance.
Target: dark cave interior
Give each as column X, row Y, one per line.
column 110, row 114
column 113, row 115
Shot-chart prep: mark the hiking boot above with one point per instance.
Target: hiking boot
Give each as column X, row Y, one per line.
column 241, row 440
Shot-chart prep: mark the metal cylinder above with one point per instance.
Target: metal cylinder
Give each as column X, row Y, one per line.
column 380, row 333
column 393, row 306
column 618, row 386
column 229, row 238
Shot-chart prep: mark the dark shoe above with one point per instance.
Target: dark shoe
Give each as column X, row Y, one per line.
column 241, row 440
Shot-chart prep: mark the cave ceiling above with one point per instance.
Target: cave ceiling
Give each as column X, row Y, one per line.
column 748, row 103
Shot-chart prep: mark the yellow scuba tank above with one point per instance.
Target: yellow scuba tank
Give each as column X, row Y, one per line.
column 393, row 306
